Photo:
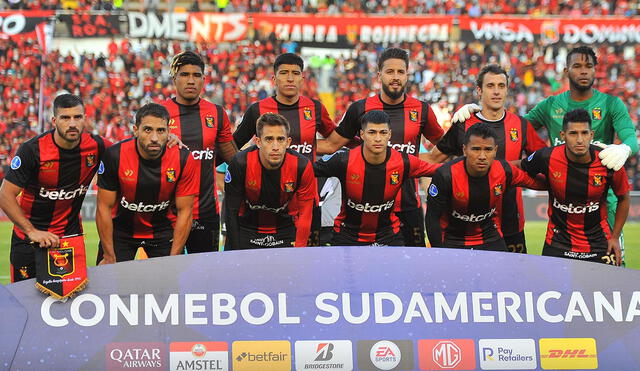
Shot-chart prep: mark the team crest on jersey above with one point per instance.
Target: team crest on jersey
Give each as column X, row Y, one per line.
column 596, row 113
column 597, row 180
column 513, row 134
column 209, row 121
column 90, row 160
column 497, row 190
column 307, row 113
column 394, row 178
column 24, row 273
column 413, row 115
column 288, row 187
column 171, row 175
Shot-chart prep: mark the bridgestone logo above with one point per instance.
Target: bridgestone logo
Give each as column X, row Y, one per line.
column 473, row 218
column 62, row 194
column 576, row 209
column 143, row 208
column 205, row 154
column 368, row 208
column 305, row 148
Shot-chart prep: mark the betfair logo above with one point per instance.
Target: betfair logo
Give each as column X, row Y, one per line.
column 262, row 355
column 568, row 354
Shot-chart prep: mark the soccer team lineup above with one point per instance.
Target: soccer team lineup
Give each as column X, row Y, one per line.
column 291, row 176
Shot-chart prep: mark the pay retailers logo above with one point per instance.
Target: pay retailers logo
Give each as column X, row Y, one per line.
column 324, row 355
column 507, row 354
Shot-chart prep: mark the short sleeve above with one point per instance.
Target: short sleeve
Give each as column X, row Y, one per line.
column 350, row 123
column 224, row 129
column 24, row 167
column 451, row 143
column 108, row 171
column 188, row 184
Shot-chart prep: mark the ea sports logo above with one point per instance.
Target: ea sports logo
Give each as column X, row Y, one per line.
column 447, row 354
column 385, row 355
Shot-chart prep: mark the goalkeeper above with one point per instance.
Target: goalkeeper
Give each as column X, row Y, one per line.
column 609, row 116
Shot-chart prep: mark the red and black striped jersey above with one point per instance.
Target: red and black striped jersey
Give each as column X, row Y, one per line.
column 55, row 181
column 515, row 136
column 465, row 211
column 577, row 198
column 201, row 127
column 306, row 117
column 259, row 199
column 146, row 189
column 369, row 192
column 409, row 120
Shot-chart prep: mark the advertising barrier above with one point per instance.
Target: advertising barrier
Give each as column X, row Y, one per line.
column 351, row 308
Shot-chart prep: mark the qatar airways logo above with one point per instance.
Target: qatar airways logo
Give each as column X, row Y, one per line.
column 404, row 147
column 267, row 208
column 576, row 209
column 62, row 194
column 303, row 148
column 205, row 154
column 144, row 208
column 473, row 218
column 369, row 208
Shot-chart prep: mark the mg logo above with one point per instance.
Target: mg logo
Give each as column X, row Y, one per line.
column 447, row 354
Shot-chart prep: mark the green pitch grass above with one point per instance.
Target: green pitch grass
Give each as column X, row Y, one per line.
column 535, row 232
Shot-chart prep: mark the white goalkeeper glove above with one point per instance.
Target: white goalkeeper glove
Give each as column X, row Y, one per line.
column 465, row 112
column 615, row 155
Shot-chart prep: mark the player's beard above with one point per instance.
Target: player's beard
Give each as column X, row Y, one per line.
column 394, row 94
column 66, row 136
column 576, row 86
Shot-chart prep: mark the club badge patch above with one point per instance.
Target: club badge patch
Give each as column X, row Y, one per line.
column 227, row 177
column 513, row 134
column 90, row 160
column 307, row 114
column 209, row 121
column 171, row 175
column 16, row 163
column 394, row 178
column 433, row 190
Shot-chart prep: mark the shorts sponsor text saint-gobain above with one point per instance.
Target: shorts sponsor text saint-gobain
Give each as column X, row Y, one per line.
column 135, row 356
column 334, row 355
column 507, row 354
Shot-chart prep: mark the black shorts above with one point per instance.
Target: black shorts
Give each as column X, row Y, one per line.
column 516, row 243
column 326, row 235
column 497, row 245
column 23, row 259
column 251, row 239
column 126, row 248
column 204, row 236
column 412, row 227
column 316, row 227
column 349, row 239
column 596, row 257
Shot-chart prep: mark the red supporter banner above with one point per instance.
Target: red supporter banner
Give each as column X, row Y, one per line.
column 91, row 25
column 552, row 30
column 333, row 30
column 22, row 23
column 217, row 27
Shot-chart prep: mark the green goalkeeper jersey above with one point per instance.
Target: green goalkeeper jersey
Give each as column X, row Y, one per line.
column 608, row 114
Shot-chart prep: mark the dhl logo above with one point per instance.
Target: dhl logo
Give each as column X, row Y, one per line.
column 568, row 354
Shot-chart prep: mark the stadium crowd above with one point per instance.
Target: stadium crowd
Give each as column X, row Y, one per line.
column 130, row 73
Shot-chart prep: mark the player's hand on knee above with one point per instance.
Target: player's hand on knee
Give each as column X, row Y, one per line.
column 44, row 239
column 465, row 112
column 615, row 155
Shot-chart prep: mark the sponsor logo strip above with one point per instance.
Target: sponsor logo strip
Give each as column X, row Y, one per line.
column 335, row 355
column 446, row 354
column 568, row 354
column 507, row 354
column 261, row 355
column 199, row 356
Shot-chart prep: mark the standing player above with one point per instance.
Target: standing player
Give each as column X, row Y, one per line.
column 204, row 127
column 145, row 178
column 514, row 136
column 410, row 118
column 260, row 182
column 609, row 115
column 464, row 205
column 307, row 117
column 51, row 173
column 371, row 176
column 578, row 186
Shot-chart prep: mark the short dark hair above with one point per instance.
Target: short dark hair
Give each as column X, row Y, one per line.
column 288, row 58
column 271, row 119
column 375, row 117
column 184, row 59
column 584, row 50
column 66, row 101
column 393, row 53
column 152, row 109
column 491, row 68
column 482, row 130
column 577, row 115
